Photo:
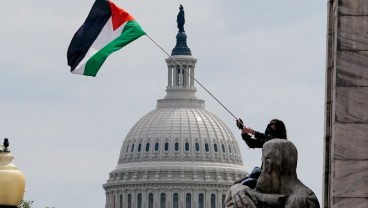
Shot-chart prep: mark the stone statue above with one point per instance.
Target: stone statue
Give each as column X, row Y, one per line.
column 180, row 19
column 278, row 184
column 6, row 145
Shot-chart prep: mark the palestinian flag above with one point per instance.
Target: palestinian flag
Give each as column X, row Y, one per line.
column 107, row 29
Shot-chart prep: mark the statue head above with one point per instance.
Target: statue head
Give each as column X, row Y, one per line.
column 181, row 7
column 279, row 162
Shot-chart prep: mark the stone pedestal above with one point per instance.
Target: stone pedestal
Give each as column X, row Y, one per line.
column 346, row 107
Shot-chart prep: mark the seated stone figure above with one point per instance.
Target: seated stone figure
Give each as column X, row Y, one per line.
column 278, row 184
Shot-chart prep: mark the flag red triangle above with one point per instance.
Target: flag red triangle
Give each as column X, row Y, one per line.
column 119, row 16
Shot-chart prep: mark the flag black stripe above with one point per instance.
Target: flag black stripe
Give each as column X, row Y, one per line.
column 88, row 32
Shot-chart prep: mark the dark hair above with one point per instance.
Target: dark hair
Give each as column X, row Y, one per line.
column 280, row 131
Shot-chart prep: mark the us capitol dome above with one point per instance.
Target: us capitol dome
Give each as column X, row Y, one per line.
column 179, row 155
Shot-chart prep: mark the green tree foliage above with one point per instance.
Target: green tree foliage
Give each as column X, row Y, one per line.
column 27, row 204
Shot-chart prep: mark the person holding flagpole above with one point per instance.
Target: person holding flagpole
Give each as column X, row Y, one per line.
column 275, row 129
column 254, row 139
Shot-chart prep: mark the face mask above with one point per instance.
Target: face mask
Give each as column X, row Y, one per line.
column 269, row 130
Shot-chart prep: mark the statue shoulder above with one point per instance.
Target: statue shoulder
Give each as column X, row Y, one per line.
column 302, row 198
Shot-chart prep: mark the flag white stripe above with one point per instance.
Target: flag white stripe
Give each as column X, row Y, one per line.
column 106, row 36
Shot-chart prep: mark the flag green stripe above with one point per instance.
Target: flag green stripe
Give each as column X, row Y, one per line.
column 131, row 31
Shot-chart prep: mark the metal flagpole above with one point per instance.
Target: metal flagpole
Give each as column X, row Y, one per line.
column 192, row 77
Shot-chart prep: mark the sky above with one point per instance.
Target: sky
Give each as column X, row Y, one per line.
column 261, row 59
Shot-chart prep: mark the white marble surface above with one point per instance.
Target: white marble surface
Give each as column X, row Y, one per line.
column 346, row 165
column 352, row 68
column 351, row 105
column 351, row 141
column 351, row 178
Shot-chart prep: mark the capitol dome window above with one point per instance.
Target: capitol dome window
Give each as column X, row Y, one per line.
column 229, row 148
column 139, row 147
column 175, row 200
column 163, row 200
column 127, row 148
column 150, row 200
column 176, row 146
column 201, row 201
column 197, row 147
column 129, row 201
column 223, row 148
column 223, row 201
column 147, row 147
column 206, row 147
column 188, row 200
column 132, row 148
column 187, row 146
column 139, row 200
column 121, row 201
column 157, row 146
column 213, row 201
column 215, row 147
column 166, row 146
